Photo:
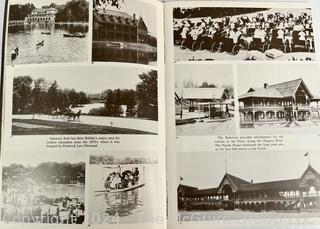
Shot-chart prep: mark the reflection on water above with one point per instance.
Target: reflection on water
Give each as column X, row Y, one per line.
column 122, row 204
column 118, row 54
column 130, row 207
column 56, row 48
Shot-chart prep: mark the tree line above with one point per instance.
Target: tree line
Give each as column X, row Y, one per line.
column 72, row 11
column 191, row 84
column 39, row 96
column 111, row 160
column 214, row 12
column 141, row 102
column 48, row 173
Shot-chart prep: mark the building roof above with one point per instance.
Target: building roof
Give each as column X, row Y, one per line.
column 273, row 185
column 243, row 185
column 44, row 10
column 261, row 93
column 289, row 88
column 201, row 93
column 280, row 90
column 113, row 16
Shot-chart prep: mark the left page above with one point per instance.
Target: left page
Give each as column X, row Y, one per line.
column 84, row 130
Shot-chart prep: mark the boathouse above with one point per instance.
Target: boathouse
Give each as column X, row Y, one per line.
column 42, row 15
column 236, row 193
column 116, row 26
column 201, row 99
column 281, row 103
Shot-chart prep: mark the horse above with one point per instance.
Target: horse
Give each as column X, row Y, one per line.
column 74, row 116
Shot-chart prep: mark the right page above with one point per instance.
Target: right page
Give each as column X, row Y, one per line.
column 243, row 120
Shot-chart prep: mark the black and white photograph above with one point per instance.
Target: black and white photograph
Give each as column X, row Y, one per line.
column 204, row 100
column 47, row 31
column 123, row 187
column 125, row 31
column 282, row 99
column 234, row 33
column 43, row 187
column 85, row 100
column 267, row 185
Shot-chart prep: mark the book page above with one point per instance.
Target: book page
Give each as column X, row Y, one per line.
column 243, row 114
column 84, row 130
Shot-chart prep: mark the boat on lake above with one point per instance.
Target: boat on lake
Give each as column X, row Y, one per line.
column 40, row 44
column 115, row 44
column 46, row 33
column 75, row 35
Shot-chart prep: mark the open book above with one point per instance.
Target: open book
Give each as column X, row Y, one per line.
column 139, row 113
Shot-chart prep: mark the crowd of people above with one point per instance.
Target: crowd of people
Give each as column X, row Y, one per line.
column 263, row 31
column 126, row 179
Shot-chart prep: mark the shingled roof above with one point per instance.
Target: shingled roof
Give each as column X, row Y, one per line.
column 282, row 184
column 201, row 93
column 113, row 16
column 280, row 90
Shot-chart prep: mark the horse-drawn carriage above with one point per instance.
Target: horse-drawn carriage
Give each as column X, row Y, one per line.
column 66, row 114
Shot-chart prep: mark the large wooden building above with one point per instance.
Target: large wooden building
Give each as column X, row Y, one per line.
column 116, row 26
column 283, row 103
column 42, row 16
column 235, row 193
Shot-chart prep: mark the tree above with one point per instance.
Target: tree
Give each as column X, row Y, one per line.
column 147, row 95
column 52, row 97
column 104, row 3
column 22, row 87
column 19, row 12
column 229, row 91
column 38, row 96
column 207, row 85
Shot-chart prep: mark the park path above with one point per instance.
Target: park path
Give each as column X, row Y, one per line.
column 128, row 123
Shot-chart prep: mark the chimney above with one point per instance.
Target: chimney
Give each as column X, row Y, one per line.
column 266, row 86
column 134, row 16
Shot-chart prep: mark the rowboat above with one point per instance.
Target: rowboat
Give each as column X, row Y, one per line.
column 121, row 190
column 115, row 44
column 46, row 33
column 40, row 44
column 76, row 35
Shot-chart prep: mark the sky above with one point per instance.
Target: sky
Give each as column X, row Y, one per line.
column 219, row 74
column 206, row 169
column 145, row 10
column 89, row 79
column 39, row 3
column 34, row 158
column 255, row 75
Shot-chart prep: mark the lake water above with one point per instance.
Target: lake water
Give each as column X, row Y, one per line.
column 103, row 53
column 139, row 205
column 87, row 107
column 56, row 48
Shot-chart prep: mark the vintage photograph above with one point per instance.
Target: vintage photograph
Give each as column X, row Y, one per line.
column 124, row 31
column 47, row 31
column 43, row 187
column 64, row 100
column 204, row 100
column 282, row 99
column 238, row 186
column 230, row 33
column 123, row 187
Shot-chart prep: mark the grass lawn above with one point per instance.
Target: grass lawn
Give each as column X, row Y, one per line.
column 57, row 128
